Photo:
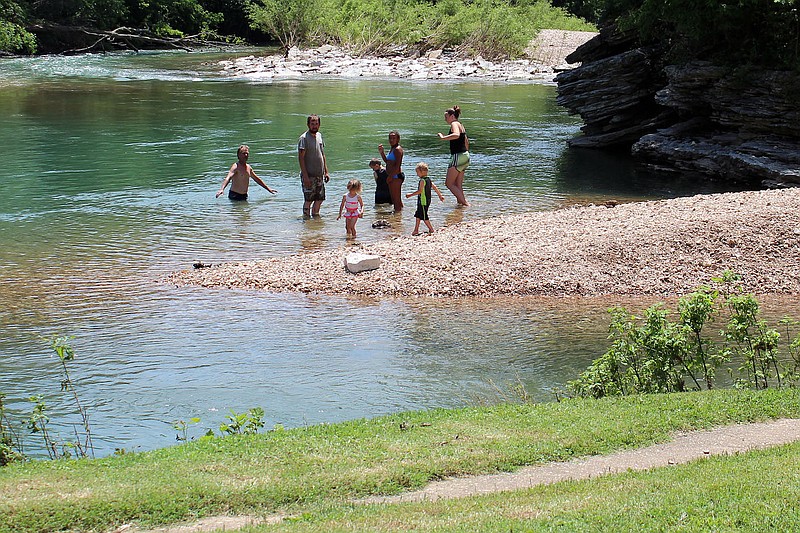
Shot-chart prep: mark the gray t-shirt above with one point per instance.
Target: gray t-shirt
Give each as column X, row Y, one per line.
column 312, row 144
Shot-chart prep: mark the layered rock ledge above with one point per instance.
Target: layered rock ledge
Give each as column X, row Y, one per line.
column 666, row 247
column 738, row 124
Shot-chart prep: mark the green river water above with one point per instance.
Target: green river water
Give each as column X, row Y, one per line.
column 109, row 169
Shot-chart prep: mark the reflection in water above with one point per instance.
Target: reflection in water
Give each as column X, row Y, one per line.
column 455, row 215
column 585, row 175
column 315, row 233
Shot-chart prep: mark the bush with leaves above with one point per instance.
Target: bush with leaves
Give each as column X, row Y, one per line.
column 14, row 38
column 652, row 354
column 758, row 32
column 290, row 22
column 491, row 28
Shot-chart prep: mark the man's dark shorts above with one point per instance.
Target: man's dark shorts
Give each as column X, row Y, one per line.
column 236, row 196
column 316, row 193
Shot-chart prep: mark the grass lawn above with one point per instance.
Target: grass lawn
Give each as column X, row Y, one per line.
column 312, row 473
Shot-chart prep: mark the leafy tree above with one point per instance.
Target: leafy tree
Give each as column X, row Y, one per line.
column 760, row 32
column 14, row 38
column 290, row 22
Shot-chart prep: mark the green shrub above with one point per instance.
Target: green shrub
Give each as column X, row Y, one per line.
column 290, row 22
column 652, row 354
column 491, row 28
column 15, row 39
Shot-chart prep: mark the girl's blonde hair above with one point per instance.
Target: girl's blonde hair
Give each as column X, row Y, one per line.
column 354, row 186
column 422, row 166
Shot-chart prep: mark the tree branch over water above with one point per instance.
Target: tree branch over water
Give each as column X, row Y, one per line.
column 123, row 38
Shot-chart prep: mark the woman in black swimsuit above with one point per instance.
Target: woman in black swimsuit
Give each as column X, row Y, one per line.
column 459, row 154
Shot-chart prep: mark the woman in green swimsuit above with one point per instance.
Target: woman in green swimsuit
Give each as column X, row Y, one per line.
column 459, row 154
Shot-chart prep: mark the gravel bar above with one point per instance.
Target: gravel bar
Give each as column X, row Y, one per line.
column 665, row 247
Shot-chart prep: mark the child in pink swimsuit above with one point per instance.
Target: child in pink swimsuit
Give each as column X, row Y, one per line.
column 353, row 207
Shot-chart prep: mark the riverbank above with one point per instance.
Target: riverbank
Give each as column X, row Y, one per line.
column 544, row 58
column 666, row 247
column 315, row 474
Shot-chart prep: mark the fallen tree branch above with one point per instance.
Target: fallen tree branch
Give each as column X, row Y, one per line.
column 122, row 38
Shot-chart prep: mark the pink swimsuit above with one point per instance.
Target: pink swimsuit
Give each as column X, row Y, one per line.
column 351, row 206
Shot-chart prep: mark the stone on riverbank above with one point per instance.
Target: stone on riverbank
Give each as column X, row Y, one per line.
column 546, row 56
column 357, row 262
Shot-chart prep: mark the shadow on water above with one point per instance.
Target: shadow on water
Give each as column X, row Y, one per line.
column 585, row 175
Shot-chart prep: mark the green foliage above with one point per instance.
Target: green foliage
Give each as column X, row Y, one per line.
column 643, row 358
column 247, row 423
column 495, row 28
column 10, row 443
column 63, row 349
column 754, row 342
column 182, row 427
column 586, row 9
column 653, row 354
column 177, row 18
column 290, row 22
column 11, row 446
column 760, row 32
column 491, row 28
column 16, row 39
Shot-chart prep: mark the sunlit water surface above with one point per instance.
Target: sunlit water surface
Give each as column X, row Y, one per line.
column 109, row 169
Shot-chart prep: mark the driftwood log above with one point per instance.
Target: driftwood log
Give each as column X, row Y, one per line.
column 71, row 40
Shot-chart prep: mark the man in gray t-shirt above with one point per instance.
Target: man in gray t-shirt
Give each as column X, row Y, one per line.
column 313, row 167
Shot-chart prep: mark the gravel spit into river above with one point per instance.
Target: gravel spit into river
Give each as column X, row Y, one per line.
column 666, row 247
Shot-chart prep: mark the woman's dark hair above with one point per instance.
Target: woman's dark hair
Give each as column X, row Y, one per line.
column 455, row 110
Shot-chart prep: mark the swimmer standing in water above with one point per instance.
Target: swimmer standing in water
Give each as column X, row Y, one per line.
column 240, row 174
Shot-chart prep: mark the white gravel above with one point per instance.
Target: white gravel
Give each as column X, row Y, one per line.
column 666, row 247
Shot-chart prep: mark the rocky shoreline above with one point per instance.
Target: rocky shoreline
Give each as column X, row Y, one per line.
column 737, row 123
column 664, row 248
column 545, row 57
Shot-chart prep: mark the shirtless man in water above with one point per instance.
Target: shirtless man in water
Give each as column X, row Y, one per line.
column 241, row 173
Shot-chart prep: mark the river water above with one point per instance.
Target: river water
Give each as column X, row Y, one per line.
column 109, row 169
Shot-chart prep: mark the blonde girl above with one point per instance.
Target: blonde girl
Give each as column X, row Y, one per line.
column 353, row 207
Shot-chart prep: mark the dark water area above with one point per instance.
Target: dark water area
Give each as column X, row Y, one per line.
column 109, row 169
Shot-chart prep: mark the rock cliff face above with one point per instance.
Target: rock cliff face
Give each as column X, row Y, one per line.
column 736, row 124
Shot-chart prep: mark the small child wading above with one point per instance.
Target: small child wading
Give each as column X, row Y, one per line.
column 353, row 207
column 423, row 195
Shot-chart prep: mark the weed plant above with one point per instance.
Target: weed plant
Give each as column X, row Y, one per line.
column 652, row 354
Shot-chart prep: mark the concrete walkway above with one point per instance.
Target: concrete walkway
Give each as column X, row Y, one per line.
column 684, row 448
